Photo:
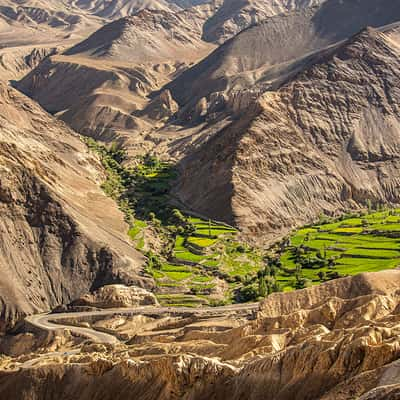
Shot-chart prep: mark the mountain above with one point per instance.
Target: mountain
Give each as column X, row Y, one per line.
column 47, row 15
column 33, row 29
column 103, row 86
column 57, row 241
column 265, row 55
column 255, row 146
column 148, row 36
column 111, row 10
column 232, row 16
column 16, row 62
column 210, row 114
column 325, row 141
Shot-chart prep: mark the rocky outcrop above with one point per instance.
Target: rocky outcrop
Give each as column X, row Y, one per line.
column 117, row 296
column 162, row 107
column 56, row 241
column 15, row 63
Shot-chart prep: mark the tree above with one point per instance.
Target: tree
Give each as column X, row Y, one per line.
column 189, row 229
column 299, row 280
column 152, row 216
column 151, row 161
column 276, row 287
column 262, row 287
column 321, row 275
column 178, row 218
column 240, row 249
column 153, row 261
column 270, row 281
column 249, row 293
column 180, row 230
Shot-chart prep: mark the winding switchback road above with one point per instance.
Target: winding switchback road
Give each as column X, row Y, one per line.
column 52, row 322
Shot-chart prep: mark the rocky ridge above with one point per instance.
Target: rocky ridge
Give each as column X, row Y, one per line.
column 57, row 243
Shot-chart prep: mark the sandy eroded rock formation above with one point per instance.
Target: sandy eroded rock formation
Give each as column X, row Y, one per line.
column 114, row 296
column 339, row 340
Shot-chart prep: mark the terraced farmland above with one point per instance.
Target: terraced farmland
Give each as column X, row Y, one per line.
column 196, row 261
column 362, row 243
column 193, row 261
column 205, row 267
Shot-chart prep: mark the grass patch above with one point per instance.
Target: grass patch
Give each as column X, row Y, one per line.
column 201, row 242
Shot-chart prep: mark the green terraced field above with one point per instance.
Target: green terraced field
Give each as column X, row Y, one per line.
column 189, row 256
column 367, row 243
column 210, row 251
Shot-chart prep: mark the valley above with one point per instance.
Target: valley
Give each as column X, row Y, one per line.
column 199, row 199
column 197, row 261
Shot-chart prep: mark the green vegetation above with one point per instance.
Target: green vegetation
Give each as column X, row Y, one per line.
column 195, row 255
column 193, row 260
column 365, row 242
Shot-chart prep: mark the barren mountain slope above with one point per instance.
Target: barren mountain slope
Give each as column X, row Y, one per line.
column 50, row 15
column 16, row 62
column 336, row 341
column 232, row 16
column 327, row 140
column 121, row 8
column 149, row 36
column 102, row 87
column 265, row 54
column 32, row 29
column 259, row 58
column 60, row 235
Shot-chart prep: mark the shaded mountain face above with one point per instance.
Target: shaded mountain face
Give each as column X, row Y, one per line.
column 60, row 235
column 335, row 341
column 327, row 140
